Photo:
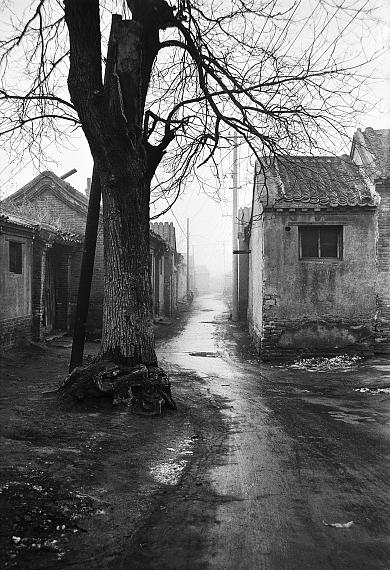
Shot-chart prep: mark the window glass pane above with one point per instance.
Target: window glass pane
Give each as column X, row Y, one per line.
column 15, row 257
column 309, row 241
column 328, row 241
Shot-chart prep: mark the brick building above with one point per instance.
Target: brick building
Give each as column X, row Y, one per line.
column 35, row 278
column 57, row 206
column 371, row 152
column 53, row 200
column 319, row 236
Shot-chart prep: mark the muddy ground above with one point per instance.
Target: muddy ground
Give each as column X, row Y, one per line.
column 273, row 466
column 80, row 488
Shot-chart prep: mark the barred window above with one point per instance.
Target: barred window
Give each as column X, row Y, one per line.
column 324, row 242
column 15, row 257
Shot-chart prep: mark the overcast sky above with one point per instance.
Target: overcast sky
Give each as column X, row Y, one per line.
column 210, row 222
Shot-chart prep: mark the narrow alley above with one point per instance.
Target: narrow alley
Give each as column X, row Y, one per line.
column 262, row 466
column 304, row 451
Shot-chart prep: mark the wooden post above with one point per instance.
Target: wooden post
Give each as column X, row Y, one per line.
column 86, row 272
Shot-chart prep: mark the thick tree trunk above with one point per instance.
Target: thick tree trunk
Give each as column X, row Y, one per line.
column 127, row 367
column 112, row 119
column 127, row 318
column 112, row 122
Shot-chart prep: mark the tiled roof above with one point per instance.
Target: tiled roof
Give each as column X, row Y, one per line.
column 321, row 181
column 16, row 220
column 57, row 234
column 377, row 143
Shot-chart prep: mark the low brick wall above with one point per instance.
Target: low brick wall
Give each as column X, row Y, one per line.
column 15, row 331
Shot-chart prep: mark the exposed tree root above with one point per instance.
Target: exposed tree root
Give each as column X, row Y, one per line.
column 147, row 389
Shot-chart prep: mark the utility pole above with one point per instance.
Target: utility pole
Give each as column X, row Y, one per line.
column 235, row 233
column 188, row 256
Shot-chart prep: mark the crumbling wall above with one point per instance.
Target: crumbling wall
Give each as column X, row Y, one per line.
column 382, row 324
column 318, row 305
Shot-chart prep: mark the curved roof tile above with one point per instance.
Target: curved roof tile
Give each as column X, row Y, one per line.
column 323, row 180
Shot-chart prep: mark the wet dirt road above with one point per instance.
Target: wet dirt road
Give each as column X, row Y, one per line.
column 301, row 449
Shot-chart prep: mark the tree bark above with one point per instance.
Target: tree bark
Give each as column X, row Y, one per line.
column 112, row 120
column 127, row 316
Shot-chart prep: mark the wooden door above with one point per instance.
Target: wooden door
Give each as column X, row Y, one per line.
column 49, row 293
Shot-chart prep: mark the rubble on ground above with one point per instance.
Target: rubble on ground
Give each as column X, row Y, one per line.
column 324, row 364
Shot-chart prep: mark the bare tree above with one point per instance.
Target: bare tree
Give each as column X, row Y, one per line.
column 184, row 74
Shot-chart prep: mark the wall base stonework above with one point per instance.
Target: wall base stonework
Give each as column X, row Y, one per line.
column 283, row 339
column 15, row 331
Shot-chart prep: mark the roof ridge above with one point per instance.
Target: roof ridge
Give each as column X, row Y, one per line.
column 322, row 180
column 54, row 178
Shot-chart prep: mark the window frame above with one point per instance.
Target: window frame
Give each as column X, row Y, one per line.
column 318, row 227
column 15, row 262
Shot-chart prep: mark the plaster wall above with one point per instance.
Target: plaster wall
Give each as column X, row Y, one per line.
column 15, row 289
column 322, row 304
column 255, row 289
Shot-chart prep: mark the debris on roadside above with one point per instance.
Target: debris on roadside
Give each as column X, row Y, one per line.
column 324, row 364
column 339, row 525
column 373, row 390
column 39, row 516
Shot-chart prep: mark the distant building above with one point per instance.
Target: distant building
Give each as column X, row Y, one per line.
column 319, row 267
column 227, row 284
column 202, row 279
column 173, row 270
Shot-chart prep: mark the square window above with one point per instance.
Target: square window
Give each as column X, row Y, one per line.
column 15, row 257
column 320, row 242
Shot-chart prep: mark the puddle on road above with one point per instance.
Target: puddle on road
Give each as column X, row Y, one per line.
column 344, row 411
column 205, row 354
column 350, row 418
column 169, row 472
column 46, row 450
